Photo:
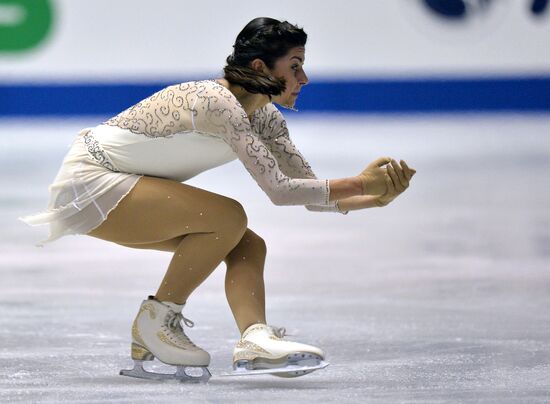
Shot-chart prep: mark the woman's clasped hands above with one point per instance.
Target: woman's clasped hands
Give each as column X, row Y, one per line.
column 386, row 179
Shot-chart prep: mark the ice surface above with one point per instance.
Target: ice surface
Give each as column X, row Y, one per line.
column 442, row 296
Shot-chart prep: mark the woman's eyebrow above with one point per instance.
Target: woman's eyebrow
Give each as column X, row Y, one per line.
column 299, row 58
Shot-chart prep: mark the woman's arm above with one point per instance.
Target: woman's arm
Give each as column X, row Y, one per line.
column 344, row 188
column 270, row 125
column 219, row 112
column 358, row 202
column 396, row 185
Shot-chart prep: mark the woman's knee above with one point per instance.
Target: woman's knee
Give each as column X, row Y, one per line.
column 256, row 242
column 250, row 244
column 233, row 219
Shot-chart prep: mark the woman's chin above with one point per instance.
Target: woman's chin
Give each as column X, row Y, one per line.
column 288, row 103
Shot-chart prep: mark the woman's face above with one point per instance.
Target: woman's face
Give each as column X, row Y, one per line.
column 290, row 67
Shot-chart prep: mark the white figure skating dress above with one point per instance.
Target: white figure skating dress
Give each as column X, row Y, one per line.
column 176, row 133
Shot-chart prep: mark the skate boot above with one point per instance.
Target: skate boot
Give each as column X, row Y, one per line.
column 157, row 332
column 262, row 349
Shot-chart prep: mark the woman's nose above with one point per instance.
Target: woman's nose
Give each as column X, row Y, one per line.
column 303, row 78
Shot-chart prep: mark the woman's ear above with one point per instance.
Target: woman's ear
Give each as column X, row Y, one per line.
column 259, row 65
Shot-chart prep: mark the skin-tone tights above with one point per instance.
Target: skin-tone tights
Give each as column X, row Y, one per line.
column 201, row 229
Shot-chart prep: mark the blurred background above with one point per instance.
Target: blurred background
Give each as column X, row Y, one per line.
column 440, row 296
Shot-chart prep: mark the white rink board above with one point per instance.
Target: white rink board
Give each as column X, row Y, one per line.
column 104, row 40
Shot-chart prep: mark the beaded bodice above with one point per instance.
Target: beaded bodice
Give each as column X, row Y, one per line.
column 262, row 143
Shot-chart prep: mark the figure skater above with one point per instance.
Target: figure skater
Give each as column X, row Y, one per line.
column 123, row 181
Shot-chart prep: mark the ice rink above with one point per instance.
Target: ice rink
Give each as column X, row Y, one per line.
column 443, row 296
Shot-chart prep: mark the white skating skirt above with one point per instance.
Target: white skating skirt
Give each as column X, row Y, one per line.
column 83, row 193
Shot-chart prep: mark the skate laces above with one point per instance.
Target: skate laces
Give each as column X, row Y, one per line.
column 279, row 332
column 174, row 324
column 177, row 319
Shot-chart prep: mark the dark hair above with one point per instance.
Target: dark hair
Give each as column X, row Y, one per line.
column 267, row 39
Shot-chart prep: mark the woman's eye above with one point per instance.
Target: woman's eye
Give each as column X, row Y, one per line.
column 295, row 67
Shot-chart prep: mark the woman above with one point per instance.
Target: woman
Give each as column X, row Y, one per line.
column 122, row 182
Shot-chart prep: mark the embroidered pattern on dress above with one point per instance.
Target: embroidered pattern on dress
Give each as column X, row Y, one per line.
column 268, row 122
column 96, row 152
column 261, row 142
column 160, row 115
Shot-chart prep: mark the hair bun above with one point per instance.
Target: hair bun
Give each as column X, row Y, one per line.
column 279, row 29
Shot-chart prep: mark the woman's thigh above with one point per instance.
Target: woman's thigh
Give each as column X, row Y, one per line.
column 250, row 241
column 166, row 245
column 160, row 209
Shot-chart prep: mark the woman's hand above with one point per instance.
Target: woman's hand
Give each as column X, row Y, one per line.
column 373, row 178
column 397, row 181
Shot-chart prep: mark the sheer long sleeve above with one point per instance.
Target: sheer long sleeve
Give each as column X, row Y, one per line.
column 268, row 122
column 217, row 111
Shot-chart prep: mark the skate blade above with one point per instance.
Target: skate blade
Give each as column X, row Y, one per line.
column 287, row 371
column 293, row 365
column 179, row 375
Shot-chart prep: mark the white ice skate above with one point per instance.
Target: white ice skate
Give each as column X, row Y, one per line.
column 262, row 350
column 157, row 332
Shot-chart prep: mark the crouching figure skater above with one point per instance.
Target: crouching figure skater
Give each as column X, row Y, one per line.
column 123, row 181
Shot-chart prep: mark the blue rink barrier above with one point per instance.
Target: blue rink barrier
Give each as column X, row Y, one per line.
column 430, row 95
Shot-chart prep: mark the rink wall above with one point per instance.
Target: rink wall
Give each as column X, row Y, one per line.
column 75, row 57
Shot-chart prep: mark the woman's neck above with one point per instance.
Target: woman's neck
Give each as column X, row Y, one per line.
column 250, row 101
